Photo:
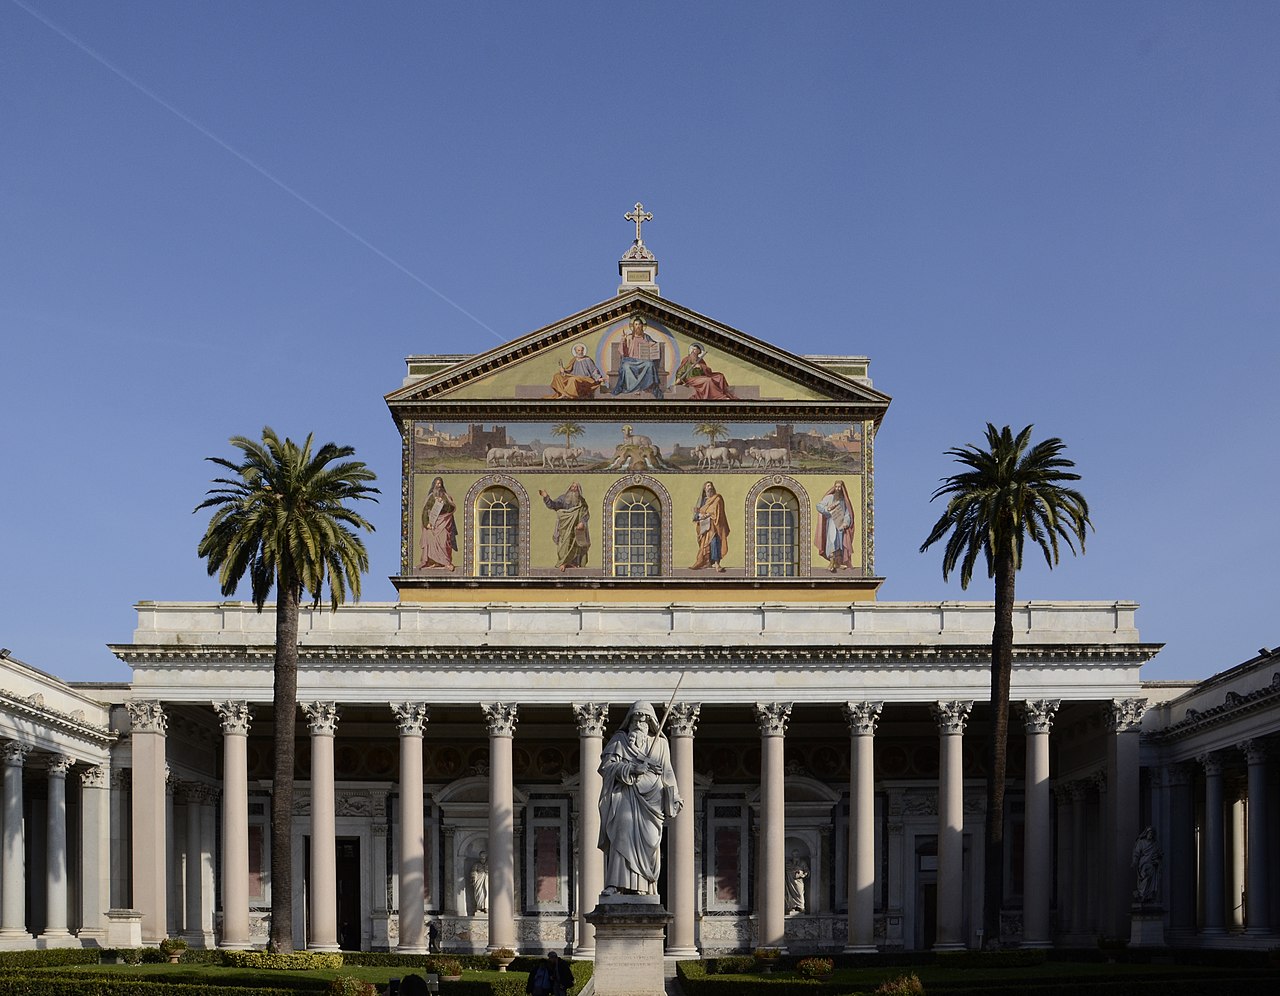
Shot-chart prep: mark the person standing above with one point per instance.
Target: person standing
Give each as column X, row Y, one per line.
column 552, row 977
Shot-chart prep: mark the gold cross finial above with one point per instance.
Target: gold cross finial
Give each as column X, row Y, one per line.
column 639, row 216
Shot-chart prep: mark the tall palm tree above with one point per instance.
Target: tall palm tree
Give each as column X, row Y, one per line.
column 283, row 518
column 1009, row 494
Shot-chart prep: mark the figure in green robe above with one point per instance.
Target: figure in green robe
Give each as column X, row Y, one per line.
column 572, row 537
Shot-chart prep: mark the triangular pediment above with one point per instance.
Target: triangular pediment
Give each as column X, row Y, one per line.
column 603, row 357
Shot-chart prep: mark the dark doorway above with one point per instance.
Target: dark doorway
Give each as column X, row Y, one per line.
column 349, row 893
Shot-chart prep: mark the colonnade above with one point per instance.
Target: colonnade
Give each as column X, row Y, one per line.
column 591, row 719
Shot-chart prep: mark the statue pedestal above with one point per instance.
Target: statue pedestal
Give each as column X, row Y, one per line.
column 1147, row 929
column 629, row 938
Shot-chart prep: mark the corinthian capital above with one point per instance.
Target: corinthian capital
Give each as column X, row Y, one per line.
column 235, row 716
column 1125, row 715
column 411, row 717
column 1037, row 714
column 322, row 718
column 773, row 717
column 683, row 721
column 951, row 715
column 15, row 754
column 501, row 718
column 146, row 716
column 590, row 717
column 862, row 717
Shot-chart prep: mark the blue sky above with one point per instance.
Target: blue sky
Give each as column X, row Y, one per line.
column 218, row 216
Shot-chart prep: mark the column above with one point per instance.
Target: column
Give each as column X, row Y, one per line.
column 501, row 719
column 1235, row 855
column 772, row 718
column 1182, row 852
column 681, row 880
column 590, row 718
column 55, row 921
column 13, row 880
column 95, row 853
column 411, row 718
column 1064, row 797
column 322, row 718
column 194, row 933
column 235, row 718
column 862, row 718
column 1124, row 721
column 208, row 866
column 173, row 870
column 1037, row 841
column 150, row 839
column 1079, row 858
column 951, row 717
column 1214, row 846
column 1257, row 885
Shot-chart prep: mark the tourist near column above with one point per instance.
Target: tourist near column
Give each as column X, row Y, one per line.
column 235, row 823
column 322, row 935
column 13, row 878
column 411, row 718
column 55, row 917
column 950, row 717
column 501, row 719
column 772, row 718
column 862, row 718
column 591, row 718
column 150, row 847
column 682, row 726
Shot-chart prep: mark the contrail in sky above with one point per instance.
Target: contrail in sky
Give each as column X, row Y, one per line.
column 250, row 163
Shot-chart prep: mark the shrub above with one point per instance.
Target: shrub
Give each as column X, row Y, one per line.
column 448, row 966
column 815, row 968
column 732, row 965
column 293, row 960
column 48, row 958
column 171, row 945
column 901, row 985
column 349, row 985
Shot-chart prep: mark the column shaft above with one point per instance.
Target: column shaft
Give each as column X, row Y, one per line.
column 13, row 888
column 862, row 718
column 1257, row 889
column 322, row 718
column 1182, row 886
column 235, row 823
column 1125, row 722
column 950, row 717
column 55, row 923
column 682, row 880
column 772, row 912
column 1214, row 847
column 194, row 869
column 502, row 897
column 1037, row 846
column 591, row 718
column 413, row 905
column 95, row 854
column 150, row 837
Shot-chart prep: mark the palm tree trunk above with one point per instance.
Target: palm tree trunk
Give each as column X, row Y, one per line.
column 285, row 707
column 997, row 749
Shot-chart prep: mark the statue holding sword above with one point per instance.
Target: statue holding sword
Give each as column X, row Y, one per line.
column 638, row 795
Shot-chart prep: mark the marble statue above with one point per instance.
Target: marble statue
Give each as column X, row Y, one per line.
column 1146, row 860
column 797, row 873
column 638, row 794
column 480, row 883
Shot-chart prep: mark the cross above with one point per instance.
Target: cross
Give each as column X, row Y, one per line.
column 639, row 216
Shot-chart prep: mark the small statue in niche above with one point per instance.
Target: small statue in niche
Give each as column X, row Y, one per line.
column 797, row 873
column 1146, row 861
column 480, row 883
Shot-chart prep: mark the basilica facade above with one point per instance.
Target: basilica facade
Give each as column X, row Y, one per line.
column 636, row 502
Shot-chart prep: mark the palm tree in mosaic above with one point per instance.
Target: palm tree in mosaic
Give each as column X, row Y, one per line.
column 568, row 430
column 1011, row 492
column 713, row 431
column 283, row 518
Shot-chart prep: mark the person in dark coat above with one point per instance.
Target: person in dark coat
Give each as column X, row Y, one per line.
column 552, row 977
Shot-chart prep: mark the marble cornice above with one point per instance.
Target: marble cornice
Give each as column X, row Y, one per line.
column 67, row 723
column 1233, row 707
column 523, row 658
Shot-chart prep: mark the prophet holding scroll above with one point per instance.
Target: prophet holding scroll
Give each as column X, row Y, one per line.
column 638, row 794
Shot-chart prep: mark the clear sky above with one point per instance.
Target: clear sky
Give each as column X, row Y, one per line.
column 218, row 216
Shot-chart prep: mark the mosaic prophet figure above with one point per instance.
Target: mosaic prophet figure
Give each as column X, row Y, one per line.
column 833, row 533
column 696, row 374
column 580, row 378
column 713, row 529
column 439, row 533
column 637, row 797
column 638, row 362
column 572, row 537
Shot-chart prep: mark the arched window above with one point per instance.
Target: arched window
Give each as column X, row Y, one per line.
column 637, row 534
column 777, row 534
column 497, row 534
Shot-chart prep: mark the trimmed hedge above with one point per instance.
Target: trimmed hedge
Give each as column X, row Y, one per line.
column 301, row 961
column 46, row 984
column 50, row 958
